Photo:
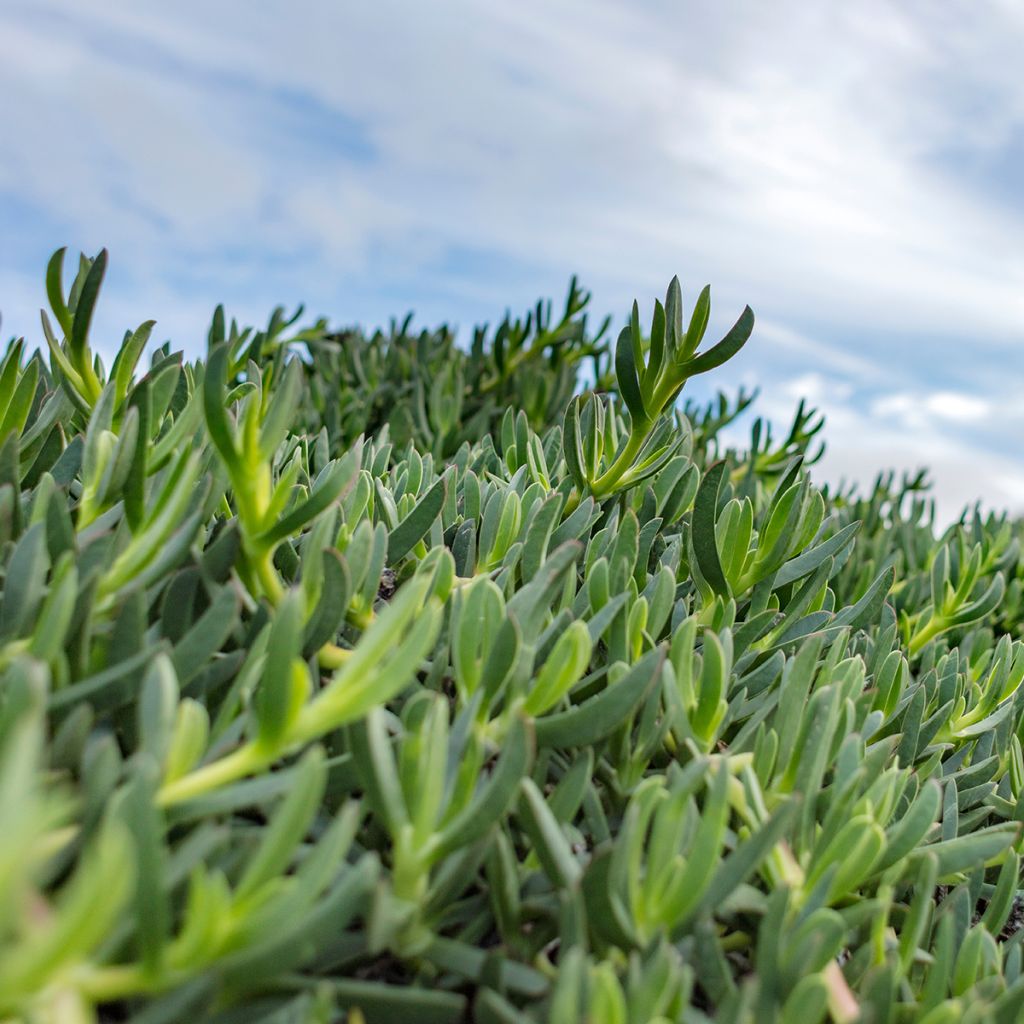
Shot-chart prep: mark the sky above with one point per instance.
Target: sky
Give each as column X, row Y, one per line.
column 852, row 171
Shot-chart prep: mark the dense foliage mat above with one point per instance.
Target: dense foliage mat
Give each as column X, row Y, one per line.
column 383, row 677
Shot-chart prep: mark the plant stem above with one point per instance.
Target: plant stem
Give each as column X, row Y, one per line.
column 268, row 578
column 118, row 981
column 236, row 765
column 928, row 632
column 331, row 656
column 606, row 482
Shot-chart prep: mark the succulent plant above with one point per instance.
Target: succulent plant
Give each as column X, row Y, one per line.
column 384, row 678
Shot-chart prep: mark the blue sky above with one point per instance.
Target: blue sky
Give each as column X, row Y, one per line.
column 853, row 171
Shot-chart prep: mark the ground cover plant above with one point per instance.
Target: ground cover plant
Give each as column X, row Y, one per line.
column 375, row 676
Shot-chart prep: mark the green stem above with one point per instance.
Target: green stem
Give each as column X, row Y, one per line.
column 90, row 381
column 330, row 656
column 267, row 575
column 230, row 768
column 606, row 482
column 929, row 632
column 106, row 984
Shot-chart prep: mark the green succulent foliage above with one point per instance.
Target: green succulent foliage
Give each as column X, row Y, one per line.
column 372, row 677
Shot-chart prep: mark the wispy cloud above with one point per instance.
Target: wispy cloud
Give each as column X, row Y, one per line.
column 846, row 169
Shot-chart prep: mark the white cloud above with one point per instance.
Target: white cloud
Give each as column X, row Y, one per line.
column 959, row 408
column 925, row 411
